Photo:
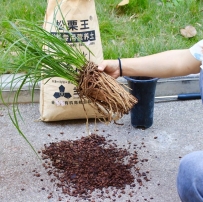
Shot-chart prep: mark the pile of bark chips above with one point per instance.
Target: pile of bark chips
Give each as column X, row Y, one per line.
column 80, row 167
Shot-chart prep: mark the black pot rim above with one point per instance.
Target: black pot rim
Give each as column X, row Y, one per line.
column 143, row 79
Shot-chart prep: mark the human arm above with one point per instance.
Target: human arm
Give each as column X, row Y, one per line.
column 165, row 64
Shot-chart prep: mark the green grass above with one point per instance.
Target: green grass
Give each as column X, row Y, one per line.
column 141, row 28
column 151, row 30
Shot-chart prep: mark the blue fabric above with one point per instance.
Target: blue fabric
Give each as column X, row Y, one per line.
column 190, row 177
column 201, row 83
column 197, row 50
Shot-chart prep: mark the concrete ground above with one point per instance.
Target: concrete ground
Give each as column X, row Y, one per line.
column 176, row 131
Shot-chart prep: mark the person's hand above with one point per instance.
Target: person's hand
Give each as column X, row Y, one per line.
column 110, row 67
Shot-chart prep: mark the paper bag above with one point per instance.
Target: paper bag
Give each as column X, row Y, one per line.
column 58, row 97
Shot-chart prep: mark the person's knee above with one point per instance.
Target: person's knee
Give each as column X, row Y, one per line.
column 190, row 177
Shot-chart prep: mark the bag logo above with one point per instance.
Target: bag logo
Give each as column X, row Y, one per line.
column 62, row 93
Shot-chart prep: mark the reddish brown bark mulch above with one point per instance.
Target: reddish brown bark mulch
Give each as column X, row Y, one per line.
column 81, row 166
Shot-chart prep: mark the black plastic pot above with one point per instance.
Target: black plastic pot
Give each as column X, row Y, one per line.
column 143, row 88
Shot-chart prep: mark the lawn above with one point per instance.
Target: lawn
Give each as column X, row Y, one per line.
column 139, row 28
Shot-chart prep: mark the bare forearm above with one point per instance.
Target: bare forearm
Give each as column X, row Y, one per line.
column 166, row 64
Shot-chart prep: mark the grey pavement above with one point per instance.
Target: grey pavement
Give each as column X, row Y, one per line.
column 176, row 131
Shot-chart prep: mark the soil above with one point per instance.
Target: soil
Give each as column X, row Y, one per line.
column 78, row 168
